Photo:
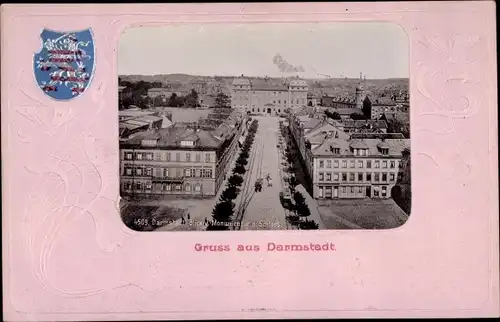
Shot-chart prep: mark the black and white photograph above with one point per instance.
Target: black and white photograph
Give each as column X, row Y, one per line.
column 282, row 126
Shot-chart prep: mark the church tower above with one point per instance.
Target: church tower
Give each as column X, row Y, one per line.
column 360, row 92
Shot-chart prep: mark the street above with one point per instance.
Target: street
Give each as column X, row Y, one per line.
column 263, row 210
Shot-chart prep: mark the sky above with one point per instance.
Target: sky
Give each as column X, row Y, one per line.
column 378, row 50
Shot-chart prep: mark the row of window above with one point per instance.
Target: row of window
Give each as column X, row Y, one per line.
column 141, row 186
column 329, row 192
column 358, row 163
column 164, row 172
column 167, row 156
column 357, row 177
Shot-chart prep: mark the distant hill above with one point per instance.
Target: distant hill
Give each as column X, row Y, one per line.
column 333, row 86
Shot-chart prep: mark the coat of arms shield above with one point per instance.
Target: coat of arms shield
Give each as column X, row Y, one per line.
column 65, row 64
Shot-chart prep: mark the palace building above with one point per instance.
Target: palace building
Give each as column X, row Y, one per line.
column 268, row 97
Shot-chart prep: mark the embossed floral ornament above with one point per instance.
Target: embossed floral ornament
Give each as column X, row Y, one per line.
column 64, row 66
column 448, row 73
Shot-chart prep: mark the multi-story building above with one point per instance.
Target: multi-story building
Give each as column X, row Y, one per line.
column 179, row 160
column 359, row 168
column 382, row 105
column 341, row 166
column 268, row 97
column 347, row 102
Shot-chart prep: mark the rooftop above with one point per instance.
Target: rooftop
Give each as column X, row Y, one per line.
column 379, row 124
column 395, row 146
column 173, row 136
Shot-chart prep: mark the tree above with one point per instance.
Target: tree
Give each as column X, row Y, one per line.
column 190, row 102
column 222, row 101
column 244, row 154
column 172, row 101
column 242, row 161
column 235, row 180
column 367, row 108
column 357, row 116
column 308, row 224
column 300, row 205
column 333, row 115
column 229, row 194
column 221, row 214
column 194, row 94
column 239, row 169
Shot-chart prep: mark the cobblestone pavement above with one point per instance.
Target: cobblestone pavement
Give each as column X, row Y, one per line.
column 264, row 210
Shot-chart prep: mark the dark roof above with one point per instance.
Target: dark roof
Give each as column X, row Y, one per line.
column 395, row 146
column 346, row 111
column 377, row 136
column 173, row 136
column 267, row 85
column 378, row 124
column 401, row 116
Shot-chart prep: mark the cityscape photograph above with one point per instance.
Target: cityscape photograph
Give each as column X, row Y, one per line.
column 285, row 126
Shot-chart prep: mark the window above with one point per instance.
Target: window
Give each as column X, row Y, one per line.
column 148, row 186
column 321, row 164
column 128, row 171
column 392, row 176
column 138, row 186
column 335, row 176
column 258, row 110
column 352, row 163
column 138, row 171
column 321, row 176
column 360, row 189
column 360, row 176
column 328, row 163
column 167, row 187
column 368, row 177
column 361, row 152
column 344, row 190
column 351, row 177
column 284, row 101
column 352, row 189
column 360, row 163
column 329, row 176
column 375, row 192
column 336, row 150
column 168, row 156
column 165, row 172
column 206, row 173
column 187, row 172
column 149, row 156
column 384, row 164
column 149, row 171
column 198, row 157
column 177, row 156
column 356, row 152
column 197, row 188
column 393, row 164
column 344, row 177
column 188, row 157
column 368, row 164
column 178, row 187
column 207, row 157
column 188, row 187
column 279, row 101
column 377, row 164
column 377, row 177
column 384, row 191
column 384, row 176
column 344, row 164
column 336, row 163
column 128, row 156
column 138, row 156
column 128, row 186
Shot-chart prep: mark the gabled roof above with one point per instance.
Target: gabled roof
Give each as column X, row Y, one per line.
column 173, row 136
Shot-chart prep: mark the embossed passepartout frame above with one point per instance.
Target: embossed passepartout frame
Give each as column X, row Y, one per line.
column 68, row 256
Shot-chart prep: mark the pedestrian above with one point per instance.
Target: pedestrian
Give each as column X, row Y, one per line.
column 189, row 216
column 206, row 221
column 183, row 221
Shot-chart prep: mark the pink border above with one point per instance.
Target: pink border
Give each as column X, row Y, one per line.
column 67, row 256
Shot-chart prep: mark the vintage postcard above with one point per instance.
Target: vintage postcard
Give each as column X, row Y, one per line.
column 260, row 160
